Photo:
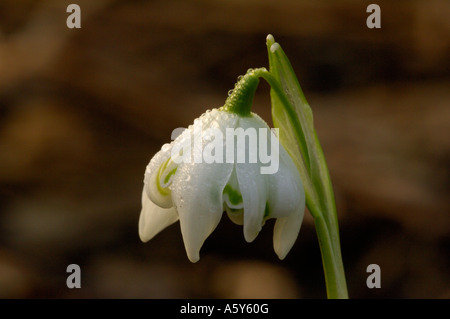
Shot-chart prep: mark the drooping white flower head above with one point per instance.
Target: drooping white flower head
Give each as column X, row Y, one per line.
column 197, row 177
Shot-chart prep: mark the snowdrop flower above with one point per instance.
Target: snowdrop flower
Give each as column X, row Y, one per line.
column 196, row 191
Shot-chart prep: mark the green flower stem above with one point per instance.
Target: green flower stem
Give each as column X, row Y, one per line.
column 331, row 258
column 319, row 196
column 240, row 99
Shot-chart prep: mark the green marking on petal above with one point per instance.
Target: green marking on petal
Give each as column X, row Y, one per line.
column 161, row 190
column 234, row 196
column 266, row 211
column 169, row 175
column 164, row 190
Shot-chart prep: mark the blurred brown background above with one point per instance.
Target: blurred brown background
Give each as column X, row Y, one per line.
column 82, row 111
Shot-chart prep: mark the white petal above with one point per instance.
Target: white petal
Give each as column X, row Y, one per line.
column 154, row 219
column 156, row 191
column 197, row 194
column 286, row 193
column 197, row 190
column 286, row 203
column 252, row 184
column 286, row 231
column 254, row 194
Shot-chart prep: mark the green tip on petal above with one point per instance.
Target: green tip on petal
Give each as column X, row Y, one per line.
column 234, row 196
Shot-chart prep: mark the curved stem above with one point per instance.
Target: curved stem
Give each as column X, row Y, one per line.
column 320, row 201
column 241, row 98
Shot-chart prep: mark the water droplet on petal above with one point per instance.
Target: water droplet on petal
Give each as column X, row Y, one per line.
column 274, row 47
column 165, row 147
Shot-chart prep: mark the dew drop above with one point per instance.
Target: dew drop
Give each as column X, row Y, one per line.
column 166, row 147
column 224, row 116
column 230, row 92
column 274, row 47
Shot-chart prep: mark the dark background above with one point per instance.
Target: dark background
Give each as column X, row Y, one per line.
column 82, row 111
